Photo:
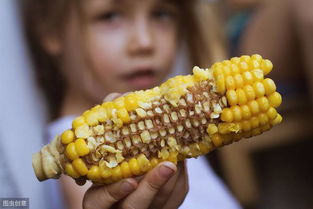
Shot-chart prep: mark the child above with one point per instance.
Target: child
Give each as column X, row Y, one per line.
column 84, row 50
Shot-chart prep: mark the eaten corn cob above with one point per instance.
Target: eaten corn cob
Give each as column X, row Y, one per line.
column 185, row 117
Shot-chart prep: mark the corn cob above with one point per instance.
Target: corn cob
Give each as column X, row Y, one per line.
column 185, row 117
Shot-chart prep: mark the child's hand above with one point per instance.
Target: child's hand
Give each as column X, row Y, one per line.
column 165, row 186
column 159, row 188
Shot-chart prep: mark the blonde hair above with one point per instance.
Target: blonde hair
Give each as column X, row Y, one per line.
column 201, row 31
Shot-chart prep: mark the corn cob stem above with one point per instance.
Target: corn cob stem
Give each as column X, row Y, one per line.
column 185, row 117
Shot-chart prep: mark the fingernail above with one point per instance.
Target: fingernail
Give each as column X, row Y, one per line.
column 127, row 187
column 166, row 170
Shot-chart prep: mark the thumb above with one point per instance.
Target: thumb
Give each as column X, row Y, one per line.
column 105, row 196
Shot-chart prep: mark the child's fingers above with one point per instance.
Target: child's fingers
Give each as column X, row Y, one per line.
column 105, row 196
column 172, row 191
column 149, row 186
column 180, row 191
column 111, row 97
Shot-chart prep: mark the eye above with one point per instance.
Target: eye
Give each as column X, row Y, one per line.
column 109, row 16
column 163, row 14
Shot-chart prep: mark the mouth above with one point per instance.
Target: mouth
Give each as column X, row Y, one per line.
column 140, row 78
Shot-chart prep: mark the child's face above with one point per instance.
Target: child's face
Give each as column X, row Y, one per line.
column 127, row 45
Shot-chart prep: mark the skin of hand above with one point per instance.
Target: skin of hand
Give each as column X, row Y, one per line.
column 165, row 186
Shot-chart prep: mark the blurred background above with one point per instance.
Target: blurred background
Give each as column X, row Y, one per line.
column 272, row 171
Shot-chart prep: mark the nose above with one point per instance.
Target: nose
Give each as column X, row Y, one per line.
column 141, row 37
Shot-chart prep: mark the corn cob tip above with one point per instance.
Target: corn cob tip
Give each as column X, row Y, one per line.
column 46, row 163
column 37, row 166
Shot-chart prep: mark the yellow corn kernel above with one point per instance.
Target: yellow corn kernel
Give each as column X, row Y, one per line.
column 230, row 82
column 257, row 57
column 80, row 166
column 238, row 80
column 220, row 83
column 271, row 113
column 123, row 115
column 249, row 92
column 81, row 147
column 102, row 114
column 236, row 111
column 259, row 89
column 245, row 111
column 71, row 152
column 125, row 170
column 256, row 131
column 254, row 64
column 223, row 128
column 234, row 69
column 143, row 162
column 243, row 66
column 247, row 77
column 275, row 99
column 269, row 86
column 254, row 107
column 67, row 137
column 263, row 103
column 266, row 127
column 79, row 121
column 212, row 129
column 217, row 140
column 227, row 115
column 267, row 66
column 141, row 112
column 143, row 97
column 257, row 75
column 164, row 154
column 226, row 128
column 226, row 71
column 204, row 148
column 245, row 125
column 226, row 62
column 245, row 58
column 194, row 150
column 231, row 97
column 154, row 162
column 118, row 122
column 69, row 169
column 217, row 70
column 198, row 73
column 108, row 106
column 254, row 121
column 277, row 120
column 237, row 137
column 134, row 167
column 235, row 60
column 263, row 119
column 117, row 173
column 105, row 171
column 107, row 181
column 173, row 157
column 131, row 102
column 227, row 138
column 94, row 173
column 246, row 134
column 217, row 65
column 82, row 131
column 91, row 118
column 241, row 96
column 119, row 103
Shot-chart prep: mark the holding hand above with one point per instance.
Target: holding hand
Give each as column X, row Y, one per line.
column 165, row 186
